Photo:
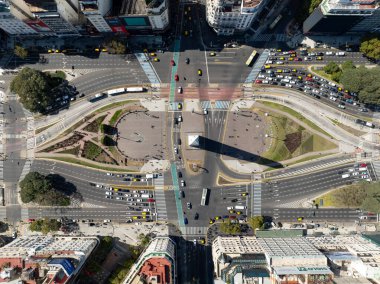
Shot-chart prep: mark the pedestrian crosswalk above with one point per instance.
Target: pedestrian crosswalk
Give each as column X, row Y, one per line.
column 308, row 169
column 376, row 167
column 148, row 68
column 193, row 231
column 222, row 104
column 205, row 104
column 30, row 143
column 257, row 66
column 159, row 182
column 162, row 214
column 257, row 199
column 24, row 213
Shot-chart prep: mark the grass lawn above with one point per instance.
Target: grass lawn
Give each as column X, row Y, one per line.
column 290, row 140
column 328, row 200
column 90, row 165
column 91, row 150
column 94, row 126
column 73, row 151
column 113, row 105
column 116, row 116
column 348, row 128
column 295, row 114
column 322, row 74
column 58, row 74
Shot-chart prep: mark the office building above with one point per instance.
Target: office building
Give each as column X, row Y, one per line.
column 344, row 16
column 95, row 11
column 10, row 24
column 43, row 259
column 141, row 17
column 269, row 260
column 156, row 264
column 228, row 17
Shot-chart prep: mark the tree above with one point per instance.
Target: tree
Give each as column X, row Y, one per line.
column 363, row 81
column 45, row 225
column 348, row 65
column 21, row 52
column 36, row 187
column 256, row 222
column 33, row 185
column 371, row 47
column 116, row 47
column 372, row 201
column 314, row 4
column 331, row 68
column 228, row 227
column 34, row 88
column 143, row 240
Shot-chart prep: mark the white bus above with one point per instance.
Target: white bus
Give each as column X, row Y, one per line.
column 135, row 89
column 204, row 200
column 115, row 92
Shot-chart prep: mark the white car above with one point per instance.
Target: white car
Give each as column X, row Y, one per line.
column 230, row 208
column 279, row 62
column 99, row 185
column 106, row 221
column 288, row 86
column 179, row 90
column 109, row 193
column 139, row 200
column 180, row 118
column 333, row 98
column 183, row 183
column 119, row 198
column 265, row 82
column 341, row 106
column 109, row 174
column 175, row 150
column 146, row 210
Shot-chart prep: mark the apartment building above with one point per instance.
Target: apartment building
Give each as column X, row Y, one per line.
column 43, row 259
column 344, row 16
column 228, row 17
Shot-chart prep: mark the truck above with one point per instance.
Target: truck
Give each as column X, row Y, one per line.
column 97, row 97
column 146, row 195
column 340, row 53
column 240, row 207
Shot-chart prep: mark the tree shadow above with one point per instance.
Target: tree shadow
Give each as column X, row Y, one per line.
column 61, row 184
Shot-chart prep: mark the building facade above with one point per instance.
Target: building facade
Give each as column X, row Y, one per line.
column 157, row 264
column 344, row 16
column 42, row 259
column 228, row 17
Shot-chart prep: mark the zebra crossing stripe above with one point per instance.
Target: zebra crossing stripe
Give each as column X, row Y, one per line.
column 257, row 199
column 222, row 104
column 257, row 66
column 205, row 104
column 147, row 67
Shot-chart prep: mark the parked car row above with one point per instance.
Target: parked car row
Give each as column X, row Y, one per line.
column 301, row 80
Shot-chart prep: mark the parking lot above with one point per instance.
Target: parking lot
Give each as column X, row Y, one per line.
column 319, row 88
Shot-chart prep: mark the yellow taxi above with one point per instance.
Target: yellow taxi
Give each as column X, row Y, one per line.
column 116, row 189
column 134, row 217
column 104, row 50
column 217, row 217
column 144, row 217
column 199, row 72
column 238, row 212
column 282, row 58
column 97, row 49
column 309, row 75
column 57, row 51
column 232, row 211
column 319, row 58
column 267, row 66
column 244, row 194
column 290, row 59
column 299, row 218
column 50, row 51
column 156, row 59
column 340, row 89
column 294, row 70
column 293, row 55
column 202, row 241
column 279, row 71
column 152, row 54
column 211, row 221
column 179, row 106
column 299, row 77
column 143, row 213
column 279, row 50
column 145, row 50
column 212, row 53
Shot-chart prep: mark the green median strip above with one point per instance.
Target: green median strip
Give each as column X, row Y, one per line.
column 178, row 202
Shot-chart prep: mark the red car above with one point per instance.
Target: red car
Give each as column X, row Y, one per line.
column 363, row 165
column 176, row 77
column 151, row 200
column 258, row 81
column 309, row 79
column 31, row 220
column 297, row 59
column 172, row 63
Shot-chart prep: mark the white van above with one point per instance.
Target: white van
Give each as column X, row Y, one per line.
column 329, row 53
column 179, row 90
column 240, row 207
column 346, row 175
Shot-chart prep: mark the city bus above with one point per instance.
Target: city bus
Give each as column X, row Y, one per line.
column 204, row 199
column 251, row 58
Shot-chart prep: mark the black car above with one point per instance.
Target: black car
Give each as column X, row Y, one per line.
column 185, row 221
column 196, row 216
column 81, row 95
column 179, row 174
column 187, row 60
column 182, row 194
column 234, row 200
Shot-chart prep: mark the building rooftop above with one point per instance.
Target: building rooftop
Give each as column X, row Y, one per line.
column 251, row 3
column 288, row 247
column 138, row 7
column 238, row 245
column 156, row 270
